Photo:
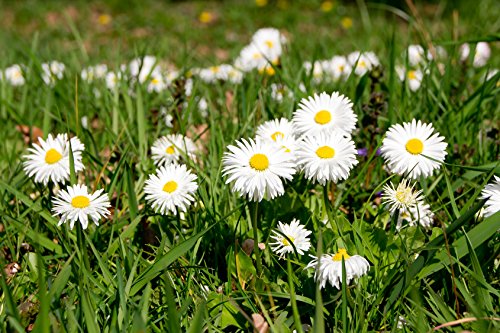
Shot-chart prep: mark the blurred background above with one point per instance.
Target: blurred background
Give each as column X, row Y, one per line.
column 206, row 32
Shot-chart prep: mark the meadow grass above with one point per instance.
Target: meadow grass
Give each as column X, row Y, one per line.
column 142, row 271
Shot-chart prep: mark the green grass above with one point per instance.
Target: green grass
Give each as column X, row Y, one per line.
column 140, row 271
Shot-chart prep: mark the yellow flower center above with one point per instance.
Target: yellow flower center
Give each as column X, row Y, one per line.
column 341, row 68
column 206, row 17
column 155, row 81
column 346, row 22
column 259, row 162
column 277, row 135
column 104, row 19
column 269, row 44
column 286, row 242
column 170, row 186
column 270, row 71
column 414, row 146
column 80, row 201
column 257, row 55
column 170, row 150
column 323, row 117
column 342, row 253
column 325, row 152
column 215, row 69
column 404, row 195
column 412, row 75
column 52, row 156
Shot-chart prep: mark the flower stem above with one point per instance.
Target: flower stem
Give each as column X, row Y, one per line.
column 296, row 316
column 256, row 249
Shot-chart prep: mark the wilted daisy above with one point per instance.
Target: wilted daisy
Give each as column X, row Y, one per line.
column 92, row 73
column 257, row 169
column 52, row 71
column 327, row 157
column 76, row 204
column 49, row 160
column 329, row 268
column 171, row 148
column 296, row 233
column 324, row 113
column 172, row 188
column 275, row 129
column 406, row 149
column 362, row 62
column 14, row 75
column 491, row 193
column 412, row 76
column 418, row 214
column 402, row 197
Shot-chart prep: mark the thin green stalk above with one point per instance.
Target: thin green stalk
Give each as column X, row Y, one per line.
column 296, row 317
column 115, row 115
column 256, row 249
column 344, row 298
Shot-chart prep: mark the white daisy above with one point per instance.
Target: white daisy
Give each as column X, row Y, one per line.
column 329, row 268
column 296, row 233
column 171, row 148
column 275, row 129
column 113, row 79
column 326, row 157
column 52, row 71
column 233, row 75
column 482, row 54
column 92, row 73
column 401, row 198
column 256, row 169
column 210, row 74
column 269, row 41
column 315, row 69
column 439, row 51
column 491, row 193
column 14, row 75
column 76, row 204
column 157, row 82
column 406, row 149
column 416, row 55
column 413, row 77
column 172, row 188
column 49, row 160
column 339, row 67
column 362, row 62
column 324, row 114
column 142, row 68
column 280, row 92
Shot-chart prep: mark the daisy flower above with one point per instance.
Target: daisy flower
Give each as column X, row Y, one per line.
column 142, row 68
column 413, row 77
column 419, row 214
column 482, row 53
column 491, row 193
column 329, row 268
column 406, row 149
column 339, row 68
column 171, row 148
column 92, row 73
column 327, row 157
column 170, row 189
column 251, row 58
column 76, row 204
column 256, row 169
column 363, row 62
column 210, row 74
column 296, row 233
column 269, row 42
column 157, row 82
column 275, row 129
column 280, row 92
column 13, row 75
column 49, row 160
column 113, row 79
column 52, row 71
column 416, row 55
column 316, row 70
column 402, row 197
column 324, row 113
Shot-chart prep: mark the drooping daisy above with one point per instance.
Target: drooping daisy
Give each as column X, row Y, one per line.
column 412, row 76
column 14, row 75
column 329, row 268
column 172, row 188
column 420, row 214
column 402, row 197
column 296, row 233
column 52, row 71
column 275, row 129
column 324, row 114
column 76, row 204
column 171, row 148
column 327, row 157
column 406, row 147
column 363, row 62
column 49, row 160
column 491, row 193
column 257, row 169
column 92, row 73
